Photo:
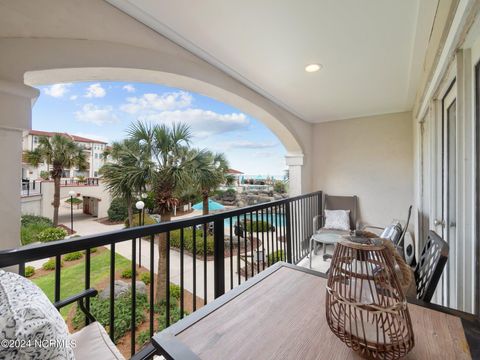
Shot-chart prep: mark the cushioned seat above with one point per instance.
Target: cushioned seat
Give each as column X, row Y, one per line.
column 333, row 231
column 92, row 342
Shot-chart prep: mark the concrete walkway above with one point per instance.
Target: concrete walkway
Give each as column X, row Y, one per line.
column 87, row 225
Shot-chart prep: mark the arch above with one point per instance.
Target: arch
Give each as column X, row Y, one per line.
column 49, row 76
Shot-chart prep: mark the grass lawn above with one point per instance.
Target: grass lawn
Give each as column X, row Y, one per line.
column 73, row 277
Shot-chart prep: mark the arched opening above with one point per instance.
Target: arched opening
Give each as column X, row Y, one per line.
column 294, row 157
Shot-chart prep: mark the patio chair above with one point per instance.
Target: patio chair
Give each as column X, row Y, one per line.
column 17, row 294
column 430, row 266
column 325, row 237
column 396, row 233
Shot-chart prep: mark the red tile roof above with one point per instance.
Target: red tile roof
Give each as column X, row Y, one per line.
column 73, row 137
column 233, row 171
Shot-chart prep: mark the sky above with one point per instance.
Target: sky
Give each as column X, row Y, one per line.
column 104, row 111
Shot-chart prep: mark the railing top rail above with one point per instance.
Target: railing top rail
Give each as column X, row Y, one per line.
column 33, row 252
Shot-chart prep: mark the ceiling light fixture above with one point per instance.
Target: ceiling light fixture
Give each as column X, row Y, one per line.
column 312, row 68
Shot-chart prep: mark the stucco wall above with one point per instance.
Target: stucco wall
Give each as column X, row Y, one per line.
column 31, row 205
column 369, row 157
column 98, row 192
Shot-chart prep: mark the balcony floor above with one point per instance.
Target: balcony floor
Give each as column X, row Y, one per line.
column 318, row 263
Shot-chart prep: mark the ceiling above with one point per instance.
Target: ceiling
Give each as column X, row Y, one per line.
column 371, row 50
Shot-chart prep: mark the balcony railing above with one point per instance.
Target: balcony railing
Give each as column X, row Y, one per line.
column 84, row 182
column 220, row 251
column 31, row 188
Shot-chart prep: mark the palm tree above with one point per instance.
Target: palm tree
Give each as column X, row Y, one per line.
column 129, row 173
column 59, row 152
column 168, row 148
column 210, row 171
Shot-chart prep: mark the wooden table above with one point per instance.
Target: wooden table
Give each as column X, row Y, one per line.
column 280, row 314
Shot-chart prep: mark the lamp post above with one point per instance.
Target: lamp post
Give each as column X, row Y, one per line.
column 72, row 194
column 140, row 205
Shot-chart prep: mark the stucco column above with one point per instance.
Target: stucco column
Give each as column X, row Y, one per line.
column 15, row 116
column 294, row 163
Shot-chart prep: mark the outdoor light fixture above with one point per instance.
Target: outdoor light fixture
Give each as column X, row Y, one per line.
column 141, row 218
column 72, row 194
column 144, row 195
column 312, row 68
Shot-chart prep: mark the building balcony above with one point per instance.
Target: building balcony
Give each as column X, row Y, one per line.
column 203, row 262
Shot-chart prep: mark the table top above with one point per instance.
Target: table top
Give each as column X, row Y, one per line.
column 280, row 314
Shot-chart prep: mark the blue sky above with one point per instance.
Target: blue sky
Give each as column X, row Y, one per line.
column 104, row 110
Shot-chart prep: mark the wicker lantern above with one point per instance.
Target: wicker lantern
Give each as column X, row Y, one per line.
column 365, row 306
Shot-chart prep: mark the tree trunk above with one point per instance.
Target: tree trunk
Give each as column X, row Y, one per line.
column 205, row 203
column 161, row 292
column 130, row 212
column 56, row 199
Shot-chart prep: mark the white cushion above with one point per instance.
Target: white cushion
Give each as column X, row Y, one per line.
column 28, row 317
column 93, row 342
column 337, row 219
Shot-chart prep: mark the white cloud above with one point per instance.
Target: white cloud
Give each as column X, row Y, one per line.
column 148, row 103
column 57, row 90
column 246, row 144
column 203, row 123
column 95, row 91
column 73, row 97
column 97, row 115
column 129, row 88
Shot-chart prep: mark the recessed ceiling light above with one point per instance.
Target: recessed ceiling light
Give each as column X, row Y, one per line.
column 312, row 67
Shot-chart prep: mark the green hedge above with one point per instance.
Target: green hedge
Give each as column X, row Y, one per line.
column 50, row 264
column 29, row 271
column 118, row 210
column 261, row 225
column 275, row 256
column 73, row 256
column 31, row 226
column 188, row 241
column 51, row 234
column 100, row 309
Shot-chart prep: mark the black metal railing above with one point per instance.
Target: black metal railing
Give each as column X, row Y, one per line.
column 75, row 182
column 31, row 187
column 204, row 256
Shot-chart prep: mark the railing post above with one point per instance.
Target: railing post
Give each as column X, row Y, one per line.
column 289, row 233
column 219, row 257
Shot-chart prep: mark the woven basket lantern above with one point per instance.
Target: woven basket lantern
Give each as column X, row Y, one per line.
column 365, row 306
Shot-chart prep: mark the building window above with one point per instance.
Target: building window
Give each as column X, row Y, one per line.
column 96, row 155
column 95, row 174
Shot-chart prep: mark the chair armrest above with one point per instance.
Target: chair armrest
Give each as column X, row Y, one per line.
column 80, row 296
column 365, row 227
column 316, row 223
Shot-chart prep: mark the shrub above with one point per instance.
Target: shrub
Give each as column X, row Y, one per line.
column 272, row 258
column 230, row 192
column 188, row 241
column 45, row 175
column 279, row 187
column 100, row 309
column 31, row 226
column 127, row 274
column 73, row 256
column 74, row 201
column 50, row 264
column 33, row 219
column 261, row 225
column 29, row 271
column 118, row 210
column 136, row 220
column 145, row 277
column 51, row 234
column 143, row 337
